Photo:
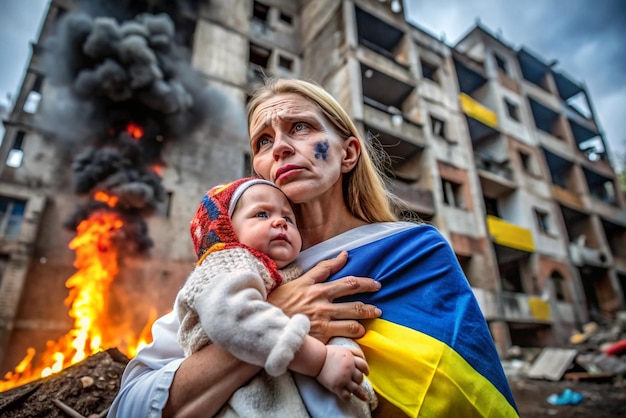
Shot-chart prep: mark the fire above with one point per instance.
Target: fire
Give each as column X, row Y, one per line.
column 97, row 266
column 158, row 169
column 136, row 131
column 106, row 198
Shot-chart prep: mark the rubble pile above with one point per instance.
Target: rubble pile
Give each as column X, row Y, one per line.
column 585, row 378
column 85, row 389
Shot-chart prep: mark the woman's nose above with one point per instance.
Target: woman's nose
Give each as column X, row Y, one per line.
column 282, row 146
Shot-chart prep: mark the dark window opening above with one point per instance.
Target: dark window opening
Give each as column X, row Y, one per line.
column 11, row 216
column 491, row 207
column 452, row 194
column 260, row 11
column 248, row 170
column 525, row 158
column 511, row 276
column 438, row 127
column 285, row 18
column 512, row 109
column 259, row 55
column 501, row 63
column 285, row 63
column 559, row 287
column 542, row 221
column 430, row 71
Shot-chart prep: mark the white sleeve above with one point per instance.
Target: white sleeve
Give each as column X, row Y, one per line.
column 234, row 313
column 147, row 378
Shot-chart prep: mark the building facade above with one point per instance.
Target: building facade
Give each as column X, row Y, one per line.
column 491, row 144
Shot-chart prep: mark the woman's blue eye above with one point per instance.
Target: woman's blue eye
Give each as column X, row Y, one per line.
column 263, row 141
column 299, row 126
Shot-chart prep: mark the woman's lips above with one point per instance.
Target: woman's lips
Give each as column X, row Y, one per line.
column 285, row 171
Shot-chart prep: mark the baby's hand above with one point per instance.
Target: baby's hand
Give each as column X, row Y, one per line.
column 342, row 372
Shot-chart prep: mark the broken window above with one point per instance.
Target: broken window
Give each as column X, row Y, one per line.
column 16, row 154
column 438, row 127
column 542, row 221
column 512, row 109
column 452, row 194
column 11, row 216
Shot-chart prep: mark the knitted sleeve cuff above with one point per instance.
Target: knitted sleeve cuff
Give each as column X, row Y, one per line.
column 288, row 344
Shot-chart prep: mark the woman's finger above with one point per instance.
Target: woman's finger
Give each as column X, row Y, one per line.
column 350, row 285
column 343, row 328
column 353, row 310
column 323, row 270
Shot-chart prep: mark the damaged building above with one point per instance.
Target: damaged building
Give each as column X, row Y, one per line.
column 129, row 111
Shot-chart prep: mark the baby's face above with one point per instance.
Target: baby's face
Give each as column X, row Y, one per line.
column 263, row 219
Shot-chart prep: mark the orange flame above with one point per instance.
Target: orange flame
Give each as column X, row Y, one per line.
column 136, row 131
column 106, row 198
column 97, row 266
column 158, row 169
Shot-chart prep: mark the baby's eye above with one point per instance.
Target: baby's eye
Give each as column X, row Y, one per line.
column 261, row 214
column 289, row 220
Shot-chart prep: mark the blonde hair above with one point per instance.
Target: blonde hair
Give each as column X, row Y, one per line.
column 363, row 189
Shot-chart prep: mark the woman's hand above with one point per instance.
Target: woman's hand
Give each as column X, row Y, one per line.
column 308, row 295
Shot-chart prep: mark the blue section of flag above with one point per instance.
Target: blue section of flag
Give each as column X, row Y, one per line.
column 424, row 288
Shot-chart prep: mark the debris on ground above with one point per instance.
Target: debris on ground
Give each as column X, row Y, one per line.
column 586, row 378
column 85, row 389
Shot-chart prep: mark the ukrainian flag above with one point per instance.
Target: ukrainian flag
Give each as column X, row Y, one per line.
column 431, row 353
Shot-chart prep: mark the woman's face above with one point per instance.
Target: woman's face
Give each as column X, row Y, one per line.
column 295, row 146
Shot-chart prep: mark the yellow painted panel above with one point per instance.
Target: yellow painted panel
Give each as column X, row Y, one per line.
column 539, row 309
column 477, row 111
column 510, row 235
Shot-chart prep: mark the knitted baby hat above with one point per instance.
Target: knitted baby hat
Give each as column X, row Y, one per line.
column 212, row 227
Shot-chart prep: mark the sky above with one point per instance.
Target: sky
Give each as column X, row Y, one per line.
column 586, row 37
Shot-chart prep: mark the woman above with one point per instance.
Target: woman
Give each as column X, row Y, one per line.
column 430, row 353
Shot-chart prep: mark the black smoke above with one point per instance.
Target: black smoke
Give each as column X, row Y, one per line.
column 110, row 64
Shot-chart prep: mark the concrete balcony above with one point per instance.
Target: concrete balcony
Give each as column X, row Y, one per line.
column 496, row 177
column 520, row 307
column 581, row 255
column 510, row 235
column 395, row 123
column 421, row 200
column 565, row 313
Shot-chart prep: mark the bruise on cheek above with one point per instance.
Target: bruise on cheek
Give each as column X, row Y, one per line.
column 321, row 150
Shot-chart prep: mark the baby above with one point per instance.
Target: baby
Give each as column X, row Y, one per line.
column 245, row 237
